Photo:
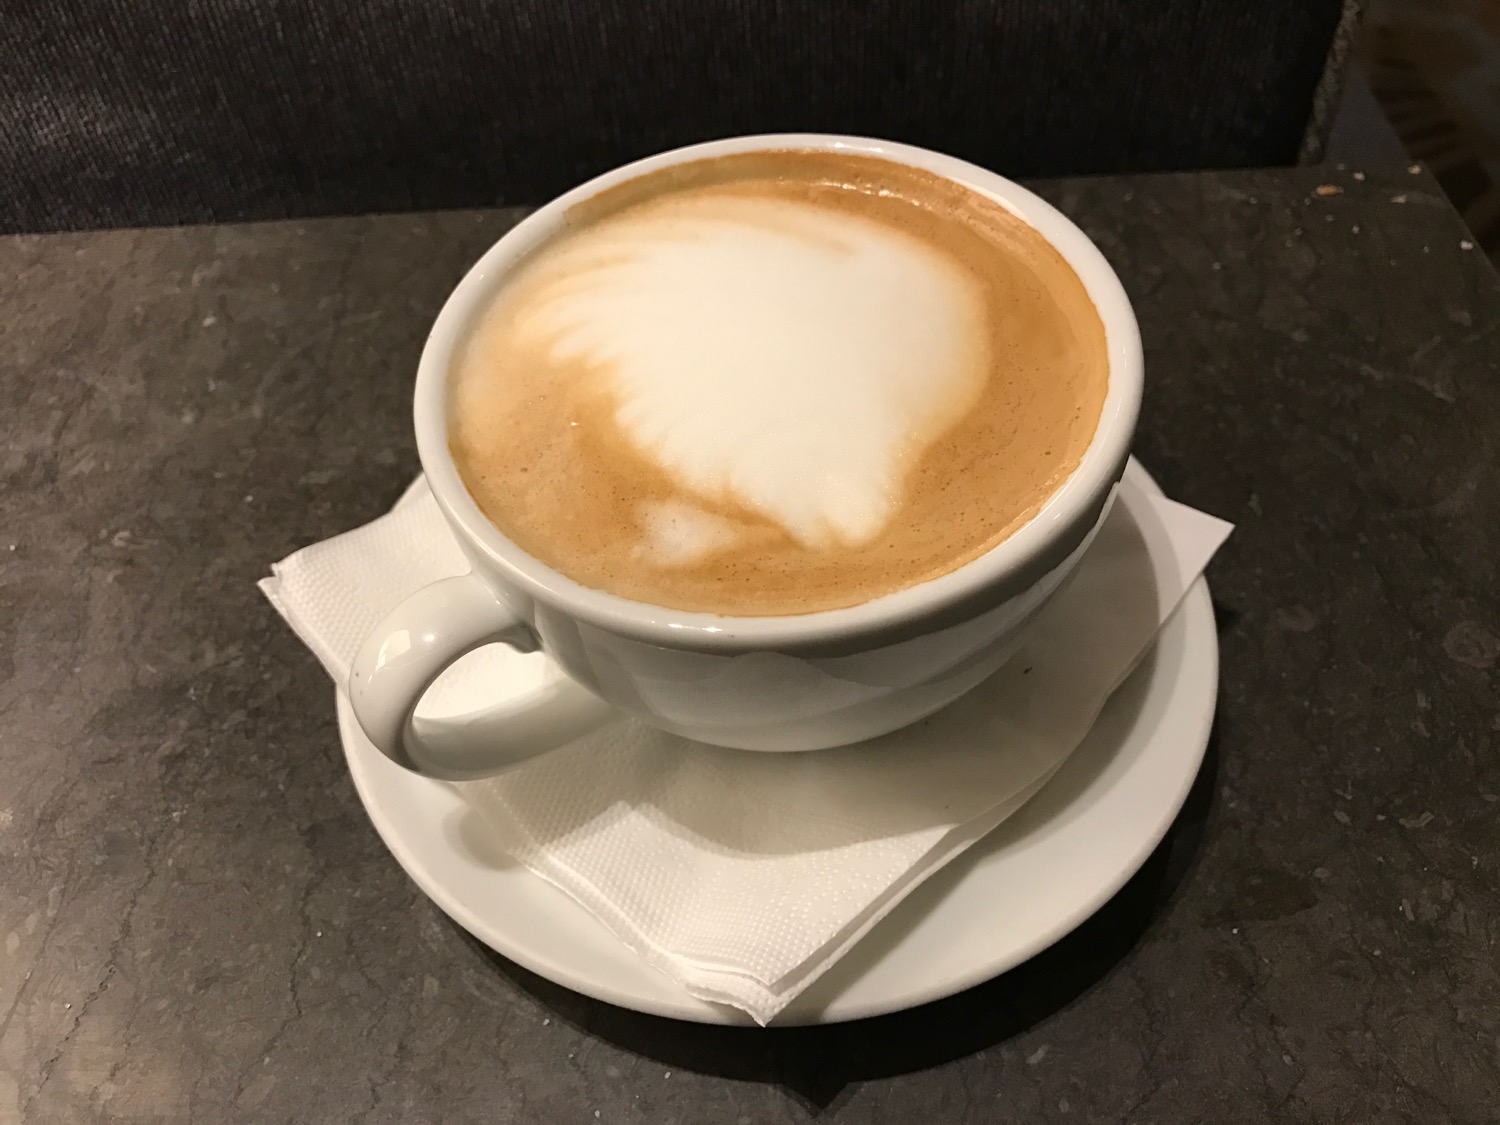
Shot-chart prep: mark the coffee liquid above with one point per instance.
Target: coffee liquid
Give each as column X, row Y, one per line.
column 776, row 383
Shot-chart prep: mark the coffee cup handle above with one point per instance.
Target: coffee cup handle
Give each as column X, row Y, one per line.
column 415, row 643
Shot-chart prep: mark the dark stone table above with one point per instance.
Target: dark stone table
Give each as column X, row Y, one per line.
column 199, row 924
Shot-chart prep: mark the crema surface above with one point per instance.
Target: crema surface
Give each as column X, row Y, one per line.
column 777, row 383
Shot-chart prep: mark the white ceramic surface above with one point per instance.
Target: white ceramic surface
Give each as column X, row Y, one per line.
column 1020, row 889
column 796, row 682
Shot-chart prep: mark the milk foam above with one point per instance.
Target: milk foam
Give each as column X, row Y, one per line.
column 678, row 534
column 786, row 358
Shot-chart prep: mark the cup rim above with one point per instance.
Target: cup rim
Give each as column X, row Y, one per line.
column 901, row 611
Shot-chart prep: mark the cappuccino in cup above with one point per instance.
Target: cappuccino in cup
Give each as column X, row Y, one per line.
column 776, row 382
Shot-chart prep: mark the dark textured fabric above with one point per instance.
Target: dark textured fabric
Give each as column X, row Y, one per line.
column 153, row 111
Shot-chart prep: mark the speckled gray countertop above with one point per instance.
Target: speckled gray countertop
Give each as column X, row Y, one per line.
column 199, row 924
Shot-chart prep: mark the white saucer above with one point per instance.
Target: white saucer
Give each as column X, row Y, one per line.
column 1023, row 887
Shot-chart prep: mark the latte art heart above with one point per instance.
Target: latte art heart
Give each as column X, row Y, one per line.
column 785, row 358
column 776, row 382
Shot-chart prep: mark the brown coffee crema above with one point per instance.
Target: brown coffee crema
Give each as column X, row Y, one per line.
column 547, row 437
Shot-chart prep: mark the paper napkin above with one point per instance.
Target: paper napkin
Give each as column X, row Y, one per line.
column 741, row 875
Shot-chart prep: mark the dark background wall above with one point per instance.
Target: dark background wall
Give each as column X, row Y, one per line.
column 123, row 112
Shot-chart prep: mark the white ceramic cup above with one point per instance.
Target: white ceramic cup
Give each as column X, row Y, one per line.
column 762, row 683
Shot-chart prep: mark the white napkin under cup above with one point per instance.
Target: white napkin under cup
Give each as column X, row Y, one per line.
column 741, row 875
